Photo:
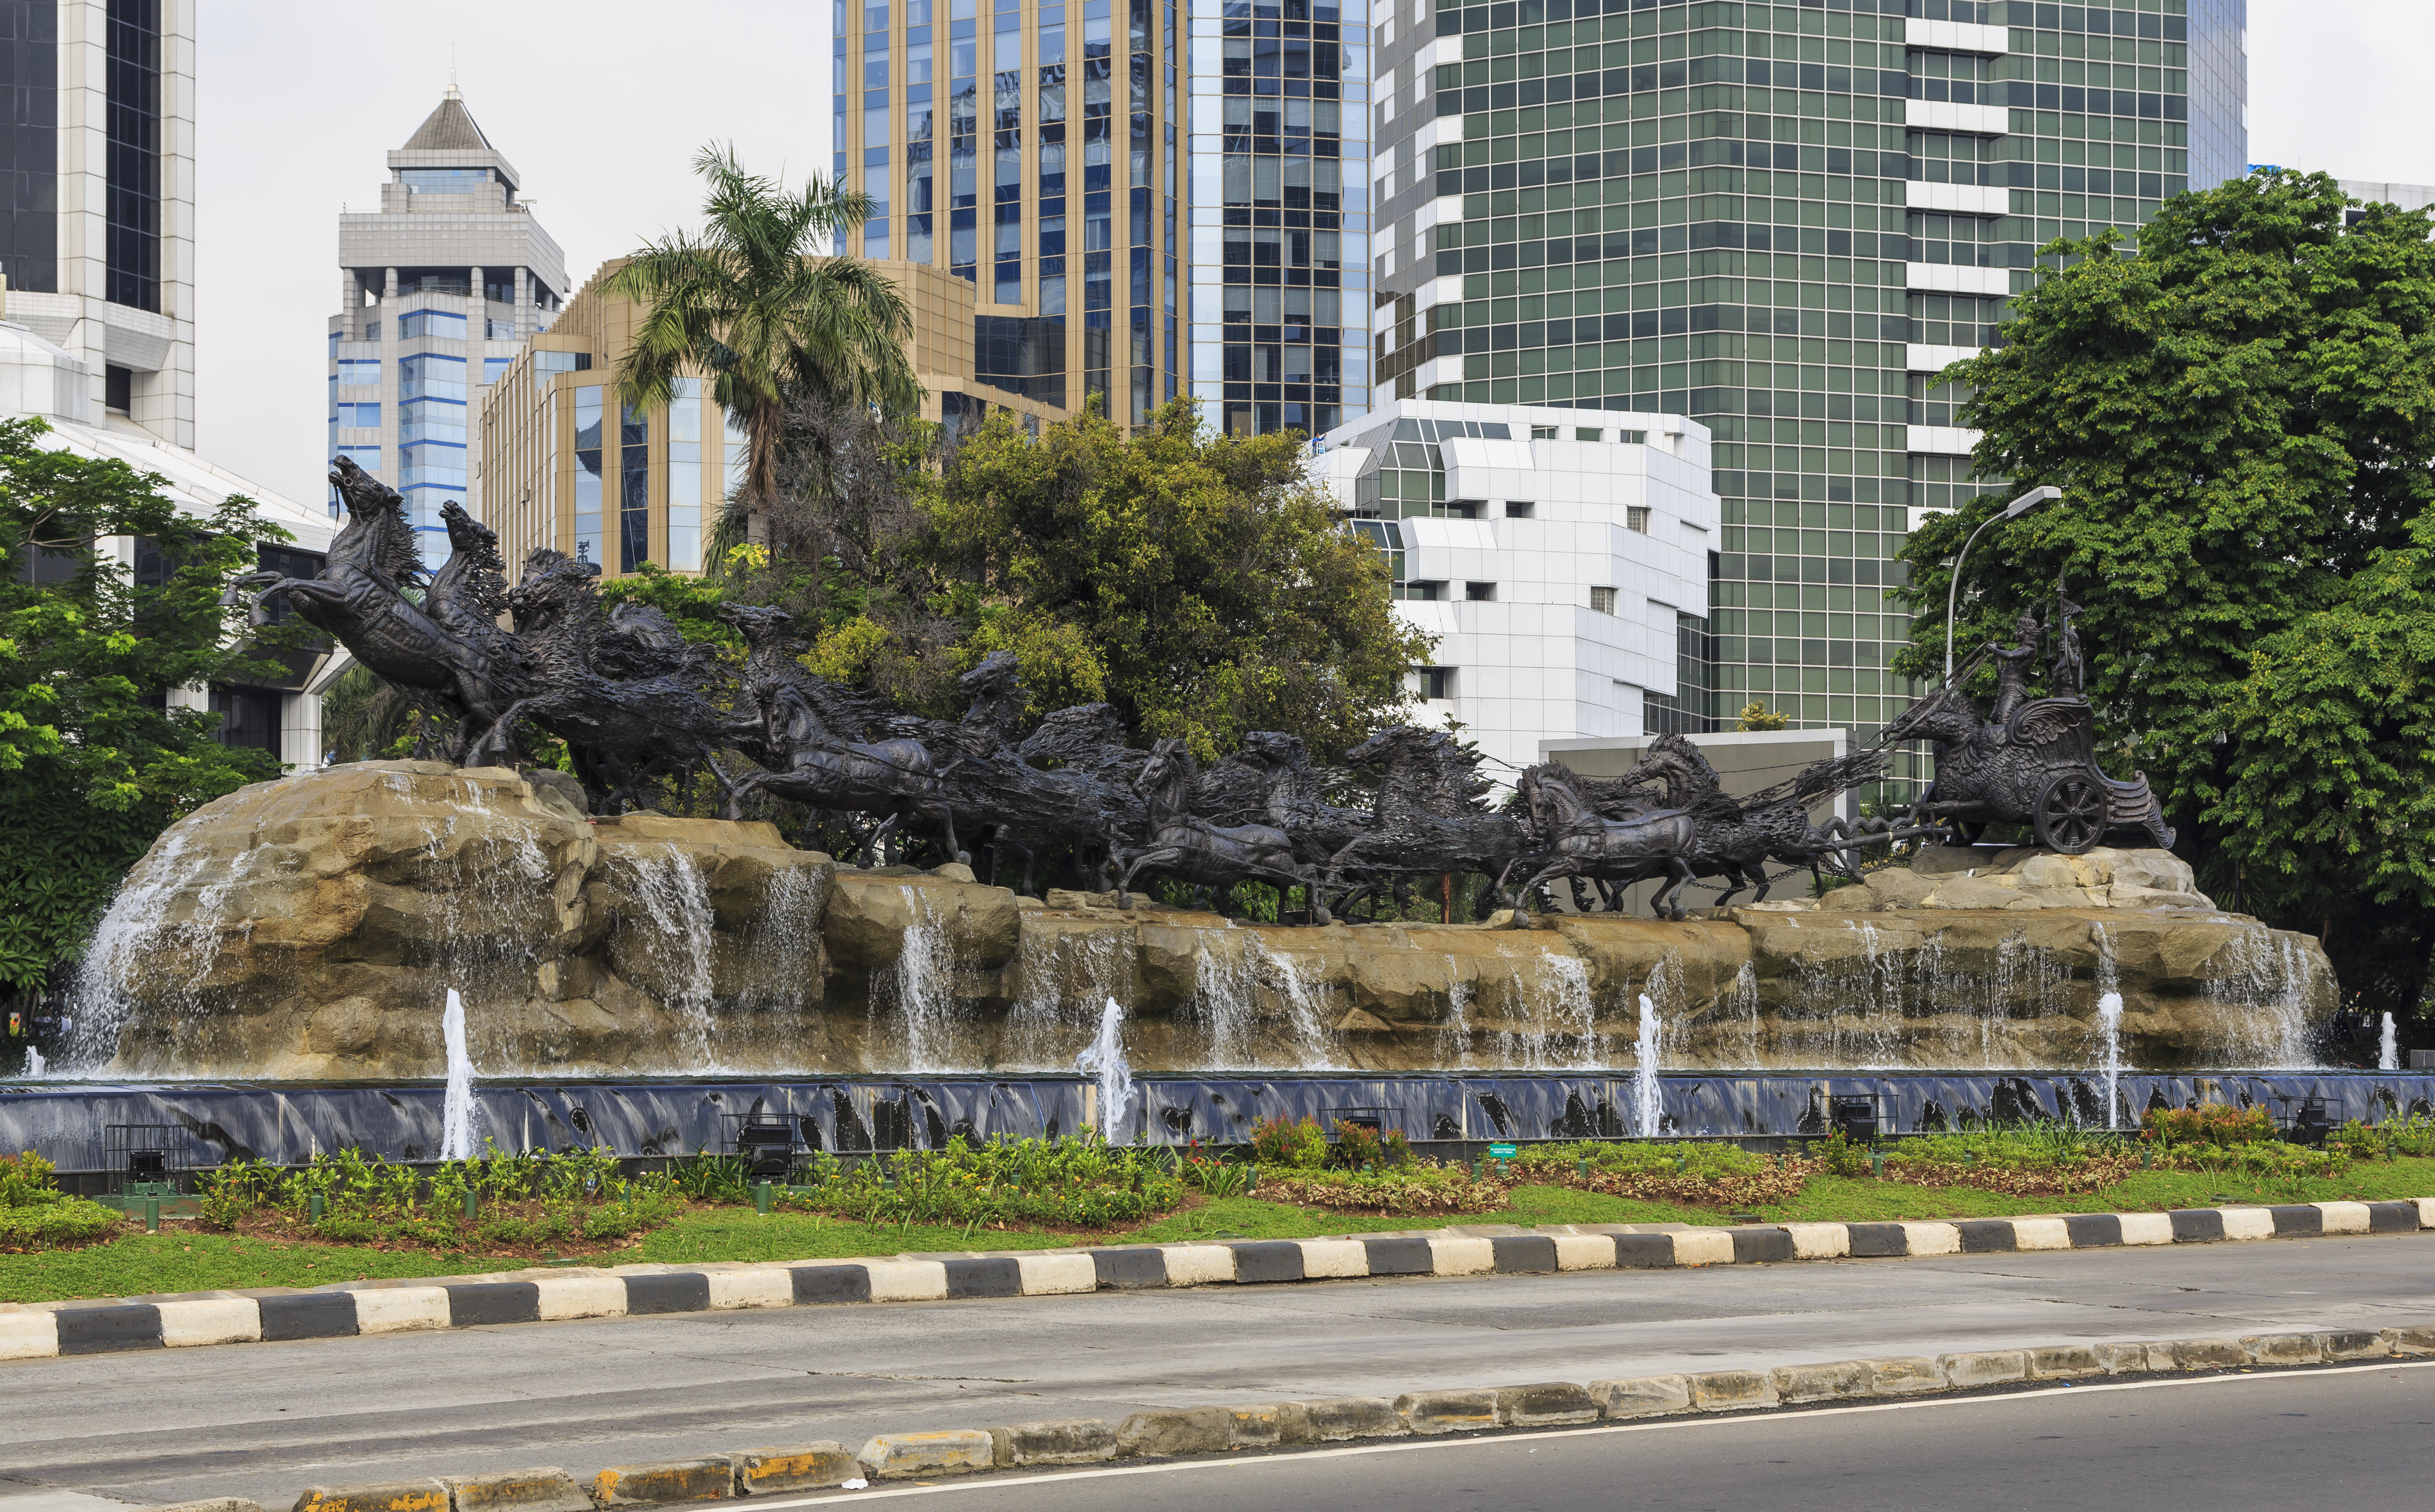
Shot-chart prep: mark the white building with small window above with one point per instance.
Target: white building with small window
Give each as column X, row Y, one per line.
column 1561, row 558
column 440, row 289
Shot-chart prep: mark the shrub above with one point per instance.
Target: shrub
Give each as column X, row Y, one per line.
column 2412, row 1135
column 520, row 1198
column 1069, row 1182
column 1359, row 1148
column 26, row 1181
column 1837, row 1156
column 1283, row 1143
column 2217, row 1124
column 35, row 1214
column 1714, row 1173
column 1415, row 1189
column 2357, row 1141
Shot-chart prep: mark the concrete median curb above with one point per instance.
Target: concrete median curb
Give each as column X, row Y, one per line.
column 48, row 1329
column 1181, row 1433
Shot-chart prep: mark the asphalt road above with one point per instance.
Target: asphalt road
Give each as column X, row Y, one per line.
column 2320, row 1439
column 265, row 1420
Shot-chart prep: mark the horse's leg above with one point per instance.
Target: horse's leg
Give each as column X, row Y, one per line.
column 1736, row 880
column 944, row 816
column 883, row 837
column 1163, row 855
column 1681, row 873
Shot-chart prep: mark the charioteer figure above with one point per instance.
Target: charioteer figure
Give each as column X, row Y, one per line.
column 2012, row 665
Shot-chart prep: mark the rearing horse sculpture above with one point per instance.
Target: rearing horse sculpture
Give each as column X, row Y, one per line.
column 360, row 601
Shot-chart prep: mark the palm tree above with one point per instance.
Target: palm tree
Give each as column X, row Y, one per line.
column 756, row 301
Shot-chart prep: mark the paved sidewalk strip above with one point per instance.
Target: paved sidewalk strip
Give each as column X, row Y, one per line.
column 825, row 1464
column 351, row 1309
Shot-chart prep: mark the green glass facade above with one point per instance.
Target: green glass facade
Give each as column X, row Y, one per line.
column 1780, row 221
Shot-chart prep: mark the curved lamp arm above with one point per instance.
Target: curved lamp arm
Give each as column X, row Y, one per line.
column 2013, row 510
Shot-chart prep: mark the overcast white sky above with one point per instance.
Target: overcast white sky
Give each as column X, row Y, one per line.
column 601, row 106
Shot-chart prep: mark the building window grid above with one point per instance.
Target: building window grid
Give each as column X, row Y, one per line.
column 1774, row 319
column 133, row 269
column 1126, row 271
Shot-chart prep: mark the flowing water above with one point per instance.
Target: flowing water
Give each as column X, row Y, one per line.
column 915, row 998
column 1058, row 976
column 2387, row 1048
column 1105, row 1059
column 2108, row 1025
column 1648, row 1092
column 1454, row 1035
column 678, row 946
column 460, row 1120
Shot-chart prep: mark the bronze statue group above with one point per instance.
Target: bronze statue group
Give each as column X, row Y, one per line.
column 638, row 706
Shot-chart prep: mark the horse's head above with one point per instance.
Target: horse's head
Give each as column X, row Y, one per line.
column 1170, row 773
column 375, row 537
column 761, row 625
column 1274, row 748
column 465, row 533
column 1947, row 717
column 362, row 492
column 1390, row 745
column 996, row 674
column 553, row 584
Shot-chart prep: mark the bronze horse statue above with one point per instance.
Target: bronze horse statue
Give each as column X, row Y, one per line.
column 1576, row 840
column 360, row 601
column 1191, row 849
column 808, row 763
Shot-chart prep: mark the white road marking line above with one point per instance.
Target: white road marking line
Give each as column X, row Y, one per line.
column 1700, row 1421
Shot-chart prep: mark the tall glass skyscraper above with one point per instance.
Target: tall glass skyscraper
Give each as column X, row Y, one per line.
column 1065, row 114
column 1782, row 221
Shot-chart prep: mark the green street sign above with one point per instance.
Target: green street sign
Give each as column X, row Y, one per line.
column 1501, row 1152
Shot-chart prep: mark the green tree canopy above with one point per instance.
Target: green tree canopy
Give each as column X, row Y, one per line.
column 1198, row 582
column 756, row 301
column 2241, row 418
column 92, row 763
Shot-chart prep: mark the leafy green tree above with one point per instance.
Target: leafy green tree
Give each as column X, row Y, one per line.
column 756, row 301
column 1196, row 581
column 2242, row 419
column 92, row 763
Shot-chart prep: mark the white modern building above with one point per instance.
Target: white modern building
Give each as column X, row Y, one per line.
column 97, row 314
column 97, row 173
column 1561, row 558
column 439, row 290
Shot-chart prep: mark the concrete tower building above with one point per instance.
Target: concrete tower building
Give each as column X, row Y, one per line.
column 437, row 291
column 97, row 169
column 1782, row 221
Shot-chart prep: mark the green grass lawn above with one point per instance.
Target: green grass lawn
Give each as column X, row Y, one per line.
column 184, row 1260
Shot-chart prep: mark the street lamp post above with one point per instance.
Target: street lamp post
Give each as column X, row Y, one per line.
column 2013, row 510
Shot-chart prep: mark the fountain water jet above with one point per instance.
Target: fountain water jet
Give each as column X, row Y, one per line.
column 2109, row 1025
column 1648, row 1093
column 1105, row 1056
column 459, row 1121
column 2388, row 1050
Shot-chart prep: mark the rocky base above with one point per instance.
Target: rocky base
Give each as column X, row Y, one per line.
column 309, row 929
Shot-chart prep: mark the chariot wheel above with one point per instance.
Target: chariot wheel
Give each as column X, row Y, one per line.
column 2071, row 815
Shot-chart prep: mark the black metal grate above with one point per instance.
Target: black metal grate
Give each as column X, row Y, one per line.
column 149, row 1152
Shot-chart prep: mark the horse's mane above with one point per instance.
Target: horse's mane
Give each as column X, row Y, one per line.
column 475, row 562
column 394, row 561
column 1704, row 796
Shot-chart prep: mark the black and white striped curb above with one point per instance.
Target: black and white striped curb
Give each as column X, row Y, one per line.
column 44, row 1330
column 1166, row 1434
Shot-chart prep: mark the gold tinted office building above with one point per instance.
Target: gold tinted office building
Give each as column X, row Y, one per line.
column 564, row 464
